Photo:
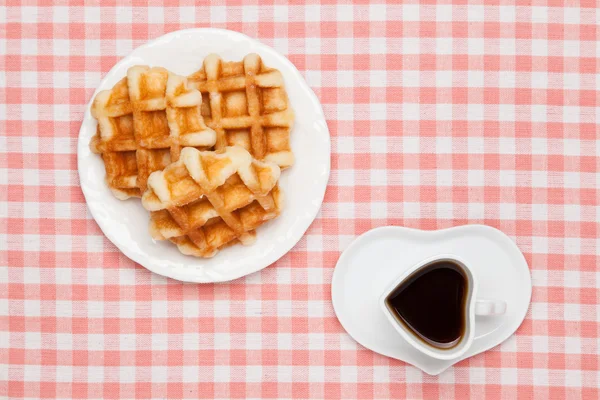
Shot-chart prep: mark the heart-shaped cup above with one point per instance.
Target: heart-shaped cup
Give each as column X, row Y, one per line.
column 473, row 306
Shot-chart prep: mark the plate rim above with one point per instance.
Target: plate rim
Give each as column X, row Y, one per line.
column 184, row 274
column 441, row 366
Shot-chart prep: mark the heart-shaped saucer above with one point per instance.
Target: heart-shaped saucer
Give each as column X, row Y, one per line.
column 376, row 258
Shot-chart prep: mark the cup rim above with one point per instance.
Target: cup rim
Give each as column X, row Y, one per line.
column 440, row 354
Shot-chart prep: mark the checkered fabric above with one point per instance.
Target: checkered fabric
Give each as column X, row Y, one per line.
column 440, row 115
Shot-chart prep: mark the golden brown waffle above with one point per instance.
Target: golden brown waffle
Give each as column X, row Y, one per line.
column 208, row 199
column 185, row 119
column 247, row 105
column 143, row 121
column 115, row 139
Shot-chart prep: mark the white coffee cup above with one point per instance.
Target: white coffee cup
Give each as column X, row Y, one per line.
column 473, row 306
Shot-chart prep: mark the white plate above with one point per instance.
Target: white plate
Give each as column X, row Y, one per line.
column 125, row 223
column 378, row 257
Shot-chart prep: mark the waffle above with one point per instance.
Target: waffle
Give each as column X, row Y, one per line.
column 115, row 139
column 246, row 104
column 143, row 122
column 209, row 199
column 185, row 119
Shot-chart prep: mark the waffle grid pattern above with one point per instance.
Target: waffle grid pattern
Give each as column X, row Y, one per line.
column 246, row 104
column 207, row 200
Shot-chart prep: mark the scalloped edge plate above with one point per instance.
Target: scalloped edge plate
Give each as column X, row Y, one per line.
column 125, row 223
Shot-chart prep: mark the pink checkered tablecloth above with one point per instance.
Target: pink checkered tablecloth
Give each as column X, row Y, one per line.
column 440, row 115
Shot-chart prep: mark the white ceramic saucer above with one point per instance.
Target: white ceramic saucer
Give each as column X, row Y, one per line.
column 378, row 257
column 125, row 223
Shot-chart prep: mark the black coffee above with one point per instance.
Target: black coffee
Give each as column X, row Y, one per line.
column 431, row 303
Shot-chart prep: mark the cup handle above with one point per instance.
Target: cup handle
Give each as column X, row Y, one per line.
column 489, row 307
